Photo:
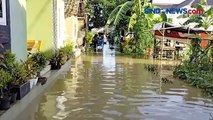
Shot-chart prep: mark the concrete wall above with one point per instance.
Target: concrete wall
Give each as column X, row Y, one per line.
column 71, row 24
column 18, row 28
column 40, row 22
column 60, row 23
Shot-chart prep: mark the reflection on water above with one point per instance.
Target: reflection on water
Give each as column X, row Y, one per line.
column 107, row 87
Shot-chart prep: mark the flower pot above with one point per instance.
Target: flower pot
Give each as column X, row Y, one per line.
column 31, row 83
column 13, row 97
column 35, row 80
column 5, row 103
column 55, row 66
column 22, row 90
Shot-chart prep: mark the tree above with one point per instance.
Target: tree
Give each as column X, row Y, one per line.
column 100, row 9
column 139, row 23
column 204, row 20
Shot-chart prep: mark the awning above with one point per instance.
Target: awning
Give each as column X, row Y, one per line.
column 180, row 32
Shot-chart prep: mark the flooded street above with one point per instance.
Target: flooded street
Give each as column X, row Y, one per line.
column 109, row 87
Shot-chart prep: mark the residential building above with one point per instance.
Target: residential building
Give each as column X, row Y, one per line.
column 13, row 27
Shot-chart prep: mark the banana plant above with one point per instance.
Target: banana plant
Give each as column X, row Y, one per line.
column 204, row 20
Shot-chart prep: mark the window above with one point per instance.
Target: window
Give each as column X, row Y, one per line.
column 3, row 12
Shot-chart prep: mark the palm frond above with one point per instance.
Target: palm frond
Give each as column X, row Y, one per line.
column 192, row 21
column 164, row 17
column 183, row 16
column 122, row 11
column 198, row 25
column 198, row 7
column 209, row 12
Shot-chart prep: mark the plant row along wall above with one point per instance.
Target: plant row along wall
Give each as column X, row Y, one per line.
column 18, row 77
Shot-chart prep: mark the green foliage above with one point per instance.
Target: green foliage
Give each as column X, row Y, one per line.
column 40, row 60
column 62, row 55
column 119, row 12
column 89, row 37
column 31, row 68
column 100, row 10
column 204, row 20
column 5, row 78
column 67, row 50
column 48, row 54
column 198, row 69
column 19, row 73
column 8, row 61
column 139, row 23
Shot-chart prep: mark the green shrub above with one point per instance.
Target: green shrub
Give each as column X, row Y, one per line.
column 40, row 60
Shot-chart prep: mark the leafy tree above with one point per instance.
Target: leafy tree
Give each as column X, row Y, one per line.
column 100, row 9
column 204, row 20
column 139, row 23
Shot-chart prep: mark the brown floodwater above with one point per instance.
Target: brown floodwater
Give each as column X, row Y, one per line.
column 109, row 87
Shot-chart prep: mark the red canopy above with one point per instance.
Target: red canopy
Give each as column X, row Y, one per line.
column 179, row 33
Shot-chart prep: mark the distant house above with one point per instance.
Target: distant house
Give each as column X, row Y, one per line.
column 75, row 21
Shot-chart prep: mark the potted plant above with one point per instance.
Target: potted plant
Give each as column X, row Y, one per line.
column 5, row 97
column 62, row 57
column 67, row 50
column 31, row 72
column 40, row 60
column 6, row 61
column 55, row 61
column 20, row 84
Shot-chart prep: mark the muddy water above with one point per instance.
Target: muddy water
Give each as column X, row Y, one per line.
column 107, row 87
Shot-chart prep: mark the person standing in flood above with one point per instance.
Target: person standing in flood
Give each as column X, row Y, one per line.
column 122, row 40
column 94, row 42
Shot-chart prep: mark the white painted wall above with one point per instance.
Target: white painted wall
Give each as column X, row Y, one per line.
column 72, row 29
column 60, row 24
column 18, row 28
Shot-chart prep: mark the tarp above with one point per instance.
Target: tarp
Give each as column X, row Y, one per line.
column 179, row 32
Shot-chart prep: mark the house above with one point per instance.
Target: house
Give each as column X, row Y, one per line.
column 75, row 22
column 45, row 21
column 51, row 21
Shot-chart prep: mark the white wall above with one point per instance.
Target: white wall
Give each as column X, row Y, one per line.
column 18, row 28
column 60, row 24
column 72, row 29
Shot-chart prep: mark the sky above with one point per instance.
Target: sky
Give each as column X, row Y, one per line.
column 167, row 2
